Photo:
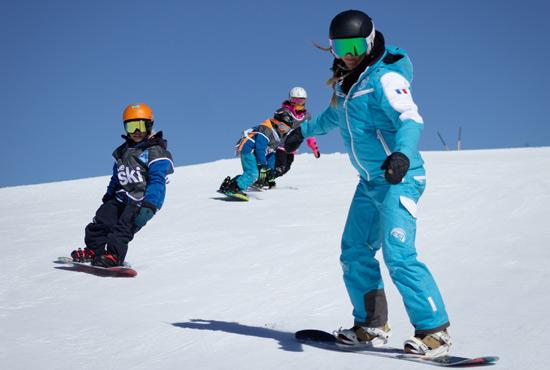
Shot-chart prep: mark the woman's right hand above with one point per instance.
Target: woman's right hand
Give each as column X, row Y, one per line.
column 312, row 143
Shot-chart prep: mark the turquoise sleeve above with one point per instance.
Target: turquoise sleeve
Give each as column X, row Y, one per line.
column 321, row 124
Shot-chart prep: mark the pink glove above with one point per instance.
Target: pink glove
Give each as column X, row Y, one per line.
column 312, row 143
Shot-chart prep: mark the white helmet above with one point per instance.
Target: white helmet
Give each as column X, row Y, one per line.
column 297, row 92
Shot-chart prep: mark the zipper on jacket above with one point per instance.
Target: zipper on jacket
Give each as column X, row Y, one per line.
column 351, row 139
column 382, row 141
column 348, row 125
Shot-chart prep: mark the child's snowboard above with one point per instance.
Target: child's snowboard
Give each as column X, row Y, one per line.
column 117, row 271
column 322, row 339
column 235, row 196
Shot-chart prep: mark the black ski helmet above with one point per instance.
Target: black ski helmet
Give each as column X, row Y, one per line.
column 283, row 115
column 349, row 24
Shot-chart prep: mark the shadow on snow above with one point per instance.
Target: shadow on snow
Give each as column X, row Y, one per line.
column 285, row 339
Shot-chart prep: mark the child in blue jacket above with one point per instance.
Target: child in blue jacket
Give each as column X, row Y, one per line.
column 135, row 193
column 257, row 149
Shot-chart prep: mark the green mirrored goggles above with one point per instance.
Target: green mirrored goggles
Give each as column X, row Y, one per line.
column 133, row 126
column 355, row 46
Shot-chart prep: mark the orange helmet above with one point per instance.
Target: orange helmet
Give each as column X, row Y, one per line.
column 138, row 111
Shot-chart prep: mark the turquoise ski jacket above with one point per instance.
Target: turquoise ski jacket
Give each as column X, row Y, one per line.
column 377, row 117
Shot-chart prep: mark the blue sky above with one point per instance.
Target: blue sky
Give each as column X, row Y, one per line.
column 210, row 69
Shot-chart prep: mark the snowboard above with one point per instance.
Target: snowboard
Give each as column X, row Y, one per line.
column 265, row 188
column 118, row 271
column 322, row 339
column 235, row 196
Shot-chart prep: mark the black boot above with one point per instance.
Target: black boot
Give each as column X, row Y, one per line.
column 83, row 255
column 233, row 187
column 106, row 260
column 225, row 185
column 229, row 185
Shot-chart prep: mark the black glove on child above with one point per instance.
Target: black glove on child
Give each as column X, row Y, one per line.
column 145, row 214
column 293, row 140
column 396, row 166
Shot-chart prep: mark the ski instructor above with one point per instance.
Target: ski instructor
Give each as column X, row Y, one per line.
column 373, row 107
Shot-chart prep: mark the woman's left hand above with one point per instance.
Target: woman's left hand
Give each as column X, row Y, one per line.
column 396, row 166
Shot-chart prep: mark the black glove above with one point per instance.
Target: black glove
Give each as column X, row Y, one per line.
column 107, row 197
column 396, row 166
column 293, row 140
column 146, row 212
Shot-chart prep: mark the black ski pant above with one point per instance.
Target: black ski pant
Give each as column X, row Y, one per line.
column 283, row 161
column 112, row 228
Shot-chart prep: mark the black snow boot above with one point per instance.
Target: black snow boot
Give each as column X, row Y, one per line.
column 233, row 187
column 83, row 255
column 230, row 186
column 225, row 185
column 106, row 260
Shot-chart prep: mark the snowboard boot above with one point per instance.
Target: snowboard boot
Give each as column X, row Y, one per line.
column 225, row 185
column 83, row 255
column 106, row 260
column 230, row 186
column 265, row 184
column 431, row 345
column 374, row 336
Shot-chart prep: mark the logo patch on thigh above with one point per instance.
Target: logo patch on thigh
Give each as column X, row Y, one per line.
column 399, row 234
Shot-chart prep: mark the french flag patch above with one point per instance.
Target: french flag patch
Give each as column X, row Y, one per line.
column 401, row 91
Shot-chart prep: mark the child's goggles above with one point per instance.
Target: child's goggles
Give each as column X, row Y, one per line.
column 133, row 126
column 298, row 101
column 355, row 46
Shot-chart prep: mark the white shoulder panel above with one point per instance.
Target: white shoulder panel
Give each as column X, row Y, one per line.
column 396, row 89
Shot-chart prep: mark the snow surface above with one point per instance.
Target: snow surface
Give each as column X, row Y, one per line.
column 224, row 285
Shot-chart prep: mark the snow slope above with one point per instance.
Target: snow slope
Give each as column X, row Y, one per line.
column 223, row 285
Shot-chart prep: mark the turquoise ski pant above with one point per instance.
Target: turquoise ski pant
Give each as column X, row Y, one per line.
column 384, row 216
column 250, row 171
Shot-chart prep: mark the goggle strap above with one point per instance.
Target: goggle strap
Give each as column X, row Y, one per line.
column 370, row 39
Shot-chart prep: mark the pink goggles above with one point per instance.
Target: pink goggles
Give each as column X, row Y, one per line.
column 298, row 101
